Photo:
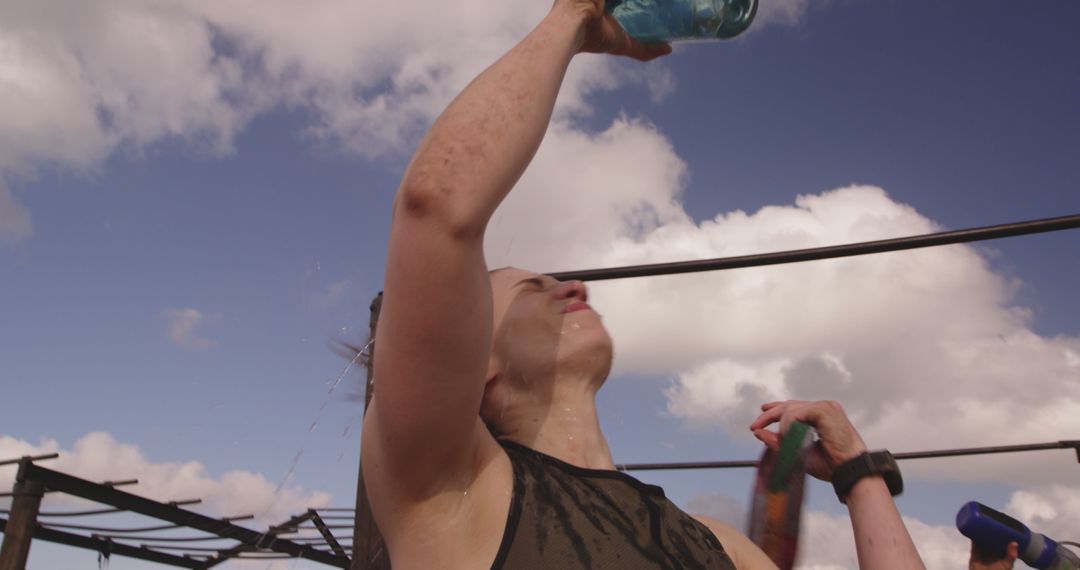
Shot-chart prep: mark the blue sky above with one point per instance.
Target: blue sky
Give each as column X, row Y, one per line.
column 257, row 219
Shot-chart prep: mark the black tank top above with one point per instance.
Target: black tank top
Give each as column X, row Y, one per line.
column 566, row 517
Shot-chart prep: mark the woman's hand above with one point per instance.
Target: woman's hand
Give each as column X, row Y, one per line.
column 601, row 32
column 839, row 441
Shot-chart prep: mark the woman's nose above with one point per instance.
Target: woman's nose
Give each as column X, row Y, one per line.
column 571, row 290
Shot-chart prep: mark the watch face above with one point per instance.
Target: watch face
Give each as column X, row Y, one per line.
column 877, row 463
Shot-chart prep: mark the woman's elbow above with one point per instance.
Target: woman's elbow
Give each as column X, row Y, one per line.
column 437, row 208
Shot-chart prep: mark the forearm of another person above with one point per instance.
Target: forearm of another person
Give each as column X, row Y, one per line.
column 881, row 538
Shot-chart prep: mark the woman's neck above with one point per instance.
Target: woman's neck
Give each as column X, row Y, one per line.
column 567, row 428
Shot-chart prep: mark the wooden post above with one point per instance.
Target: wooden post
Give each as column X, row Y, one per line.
column 25, row 503
column 369, row 551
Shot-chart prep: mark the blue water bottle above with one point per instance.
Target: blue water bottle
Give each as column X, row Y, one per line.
column 653, row 21
column 993, row 530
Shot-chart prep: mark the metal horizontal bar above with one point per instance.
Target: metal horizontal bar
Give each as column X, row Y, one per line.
column 685, row 465
column 828, row 252
column 108, row 547
column 1064, row 444
column 163, row 538
column 121, row 482
column 273, row 532
column 192, row 549
column 988, row 450
column 78, row 513
column 30, row 458
column 109, row 529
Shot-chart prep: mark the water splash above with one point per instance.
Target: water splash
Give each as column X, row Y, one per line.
column 360, row 354
column 363, row 353
column 288, row 476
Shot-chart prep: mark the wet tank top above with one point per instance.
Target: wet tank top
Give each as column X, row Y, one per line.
column 567, row 517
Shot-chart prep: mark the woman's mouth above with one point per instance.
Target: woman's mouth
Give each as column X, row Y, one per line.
column 576, row 306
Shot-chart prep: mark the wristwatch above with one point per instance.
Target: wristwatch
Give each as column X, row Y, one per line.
column 869, row 463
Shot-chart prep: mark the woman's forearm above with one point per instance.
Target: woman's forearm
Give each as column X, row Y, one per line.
column 481, row 144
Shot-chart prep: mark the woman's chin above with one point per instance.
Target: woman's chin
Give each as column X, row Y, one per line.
column 590, row 355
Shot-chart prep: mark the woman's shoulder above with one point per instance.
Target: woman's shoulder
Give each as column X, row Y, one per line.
column 743, row 552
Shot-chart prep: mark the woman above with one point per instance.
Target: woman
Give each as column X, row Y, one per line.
column 482, row 446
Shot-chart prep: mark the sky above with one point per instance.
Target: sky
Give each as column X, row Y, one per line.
column 195, row 200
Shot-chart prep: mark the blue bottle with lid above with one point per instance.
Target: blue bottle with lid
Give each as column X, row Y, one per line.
column 681, row 20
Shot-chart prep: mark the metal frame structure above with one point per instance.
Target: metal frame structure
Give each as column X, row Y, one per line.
column 151, row 543
column 292, row 539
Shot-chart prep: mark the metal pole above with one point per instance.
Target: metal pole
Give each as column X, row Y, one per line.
column 368, row 551
column 1063, row 444
column 19, row 530
column 830, row 252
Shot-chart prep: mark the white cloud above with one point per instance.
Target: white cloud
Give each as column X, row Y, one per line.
column 82, row 79
column 827, row 543
column 97, row 456
column 15, row 222
column 720, row 507
column 1053, row 510
column 182, row 328
column 568, row 210
column 925, row 348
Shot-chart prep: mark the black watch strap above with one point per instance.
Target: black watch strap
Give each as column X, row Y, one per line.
column 869, row 463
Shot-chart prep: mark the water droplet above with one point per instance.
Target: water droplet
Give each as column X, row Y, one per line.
column 360, row 354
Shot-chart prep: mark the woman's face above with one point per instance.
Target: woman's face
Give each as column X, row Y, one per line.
column 543, row 326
